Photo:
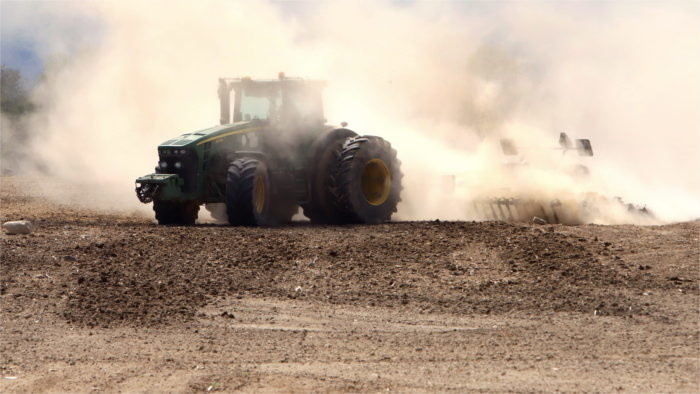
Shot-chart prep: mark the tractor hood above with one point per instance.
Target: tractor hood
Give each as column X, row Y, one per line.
column 211, row 134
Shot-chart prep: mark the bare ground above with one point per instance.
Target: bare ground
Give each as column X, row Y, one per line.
column 113, row 302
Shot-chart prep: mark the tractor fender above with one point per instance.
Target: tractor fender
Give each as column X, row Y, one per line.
column 243, row 154
column 328, row 136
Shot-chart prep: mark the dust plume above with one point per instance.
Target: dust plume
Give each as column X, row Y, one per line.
column 442, row 81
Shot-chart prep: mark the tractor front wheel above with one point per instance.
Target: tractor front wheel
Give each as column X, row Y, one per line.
column 178, row 213
column 250, row 198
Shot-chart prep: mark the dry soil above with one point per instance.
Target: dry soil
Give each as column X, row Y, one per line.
column 113, row 302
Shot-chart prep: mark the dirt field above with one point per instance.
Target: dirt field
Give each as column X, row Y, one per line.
column 94, row 301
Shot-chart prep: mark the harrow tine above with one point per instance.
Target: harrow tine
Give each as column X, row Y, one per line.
column 480, row 208
column 509, row 208
column 554, row 205
column 545, row 214
column 504, row 215
column 517, row 208
column 493, row 211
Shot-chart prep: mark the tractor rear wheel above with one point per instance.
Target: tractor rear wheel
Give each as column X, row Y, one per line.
column 179, row 213
column 367, row 180
column 250, row 198
column 321, row 207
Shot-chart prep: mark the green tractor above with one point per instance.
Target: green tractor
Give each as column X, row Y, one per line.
column 275, row 155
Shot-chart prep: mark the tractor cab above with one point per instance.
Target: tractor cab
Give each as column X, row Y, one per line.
column 291, row 102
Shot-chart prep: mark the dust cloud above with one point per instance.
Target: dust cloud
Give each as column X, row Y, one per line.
column 444, row 82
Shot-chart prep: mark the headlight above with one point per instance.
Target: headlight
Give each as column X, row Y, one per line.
column 178, row 165
column 163, row 164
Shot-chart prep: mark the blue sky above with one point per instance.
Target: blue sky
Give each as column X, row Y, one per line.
column 27, row 25
column 17, row 51
column 27, row 28
column 21, row 54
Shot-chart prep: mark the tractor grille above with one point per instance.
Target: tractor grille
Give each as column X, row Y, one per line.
column 187, row 170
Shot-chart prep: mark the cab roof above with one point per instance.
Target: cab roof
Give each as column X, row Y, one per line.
column 233, row 83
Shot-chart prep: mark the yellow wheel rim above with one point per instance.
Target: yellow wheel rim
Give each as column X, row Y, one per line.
column 376, row 182
column 259, row 193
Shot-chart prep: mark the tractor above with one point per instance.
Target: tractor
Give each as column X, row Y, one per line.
column 271, row 154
